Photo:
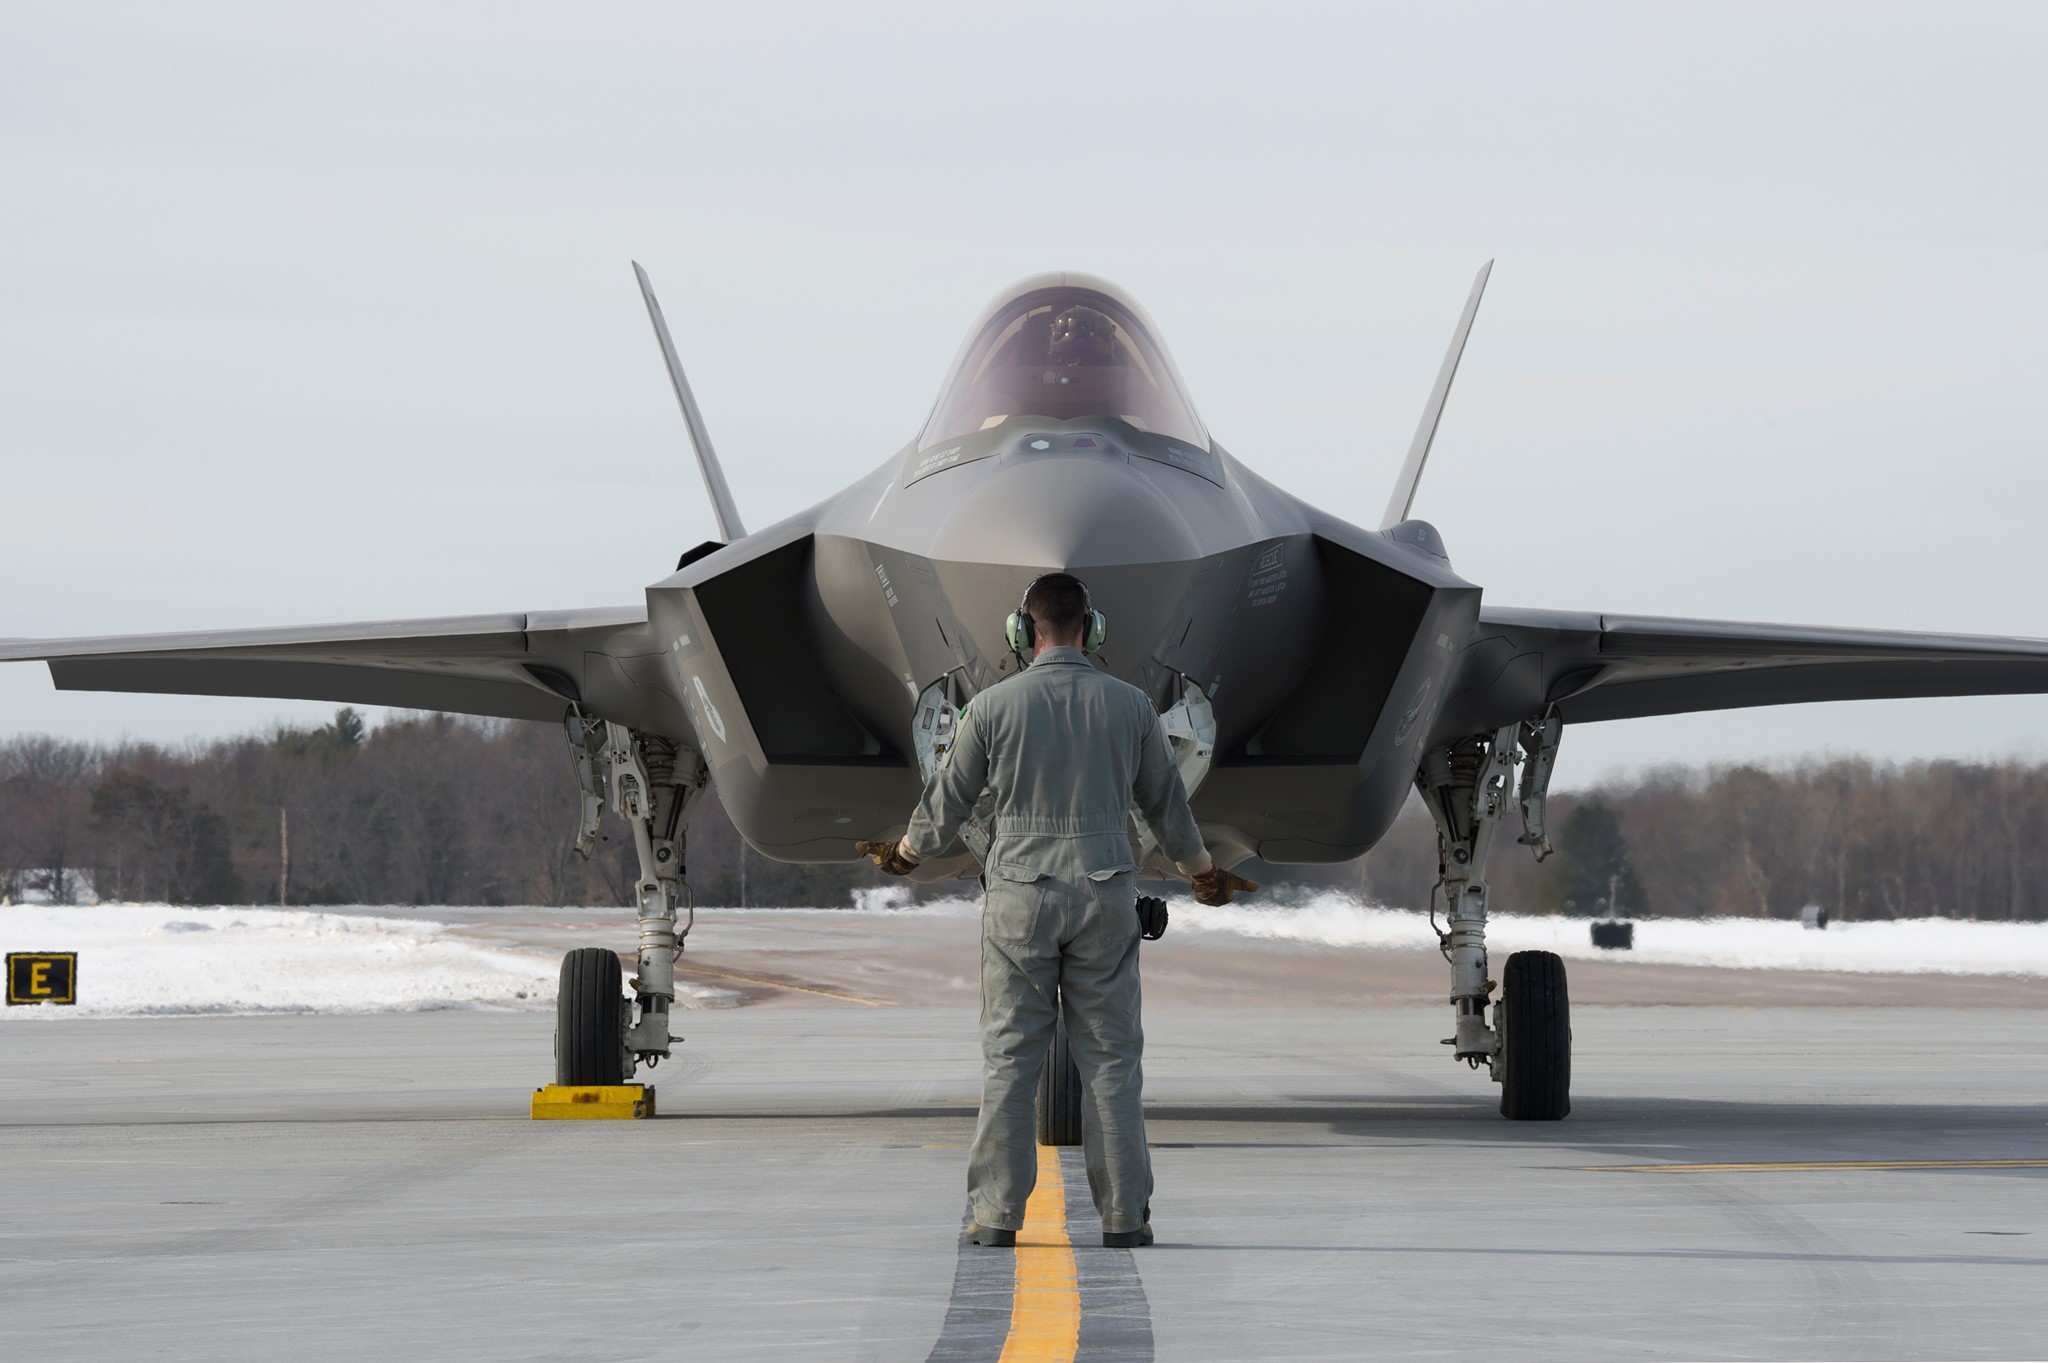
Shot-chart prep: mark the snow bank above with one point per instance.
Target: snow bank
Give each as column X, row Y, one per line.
column 1917, row 945
column 139, row 959
column 899, row 900
column 1908, row 946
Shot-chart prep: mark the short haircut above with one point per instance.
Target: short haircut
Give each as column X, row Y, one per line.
column 1057, row 604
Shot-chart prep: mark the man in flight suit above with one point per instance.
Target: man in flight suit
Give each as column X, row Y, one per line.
column 1067, row 751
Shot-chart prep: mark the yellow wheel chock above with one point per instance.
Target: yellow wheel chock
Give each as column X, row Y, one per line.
column 593, row 1102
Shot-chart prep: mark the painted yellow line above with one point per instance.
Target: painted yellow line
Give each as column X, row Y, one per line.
column 1796, row 1165
column 693, row 968
column 1045, row 1307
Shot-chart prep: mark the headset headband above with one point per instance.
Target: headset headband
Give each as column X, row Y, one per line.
column 1087, row 601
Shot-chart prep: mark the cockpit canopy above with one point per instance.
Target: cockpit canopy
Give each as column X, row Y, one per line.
column 1063, row 346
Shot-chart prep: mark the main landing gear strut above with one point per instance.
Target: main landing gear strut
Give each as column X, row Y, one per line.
column 654, row 783
column 1468, row 786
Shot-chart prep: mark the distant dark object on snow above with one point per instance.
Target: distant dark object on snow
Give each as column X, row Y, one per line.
column 1813, row 916
column 1614, row 936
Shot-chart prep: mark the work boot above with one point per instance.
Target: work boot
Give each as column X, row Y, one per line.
column 994, row 1237
column 1127, row 1239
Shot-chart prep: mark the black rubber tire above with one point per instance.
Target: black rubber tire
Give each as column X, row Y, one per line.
column 589, row 1009
column 1536, row 1085
column 1059, row 1092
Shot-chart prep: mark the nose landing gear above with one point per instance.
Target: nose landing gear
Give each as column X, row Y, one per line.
column 1059, row 1091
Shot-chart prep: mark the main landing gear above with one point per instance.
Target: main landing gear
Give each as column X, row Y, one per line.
column 1467, row 786
column 1060, row 1094
column 654, row 783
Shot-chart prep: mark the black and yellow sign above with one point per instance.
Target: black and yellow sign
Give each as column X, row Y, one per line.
column 42, row 977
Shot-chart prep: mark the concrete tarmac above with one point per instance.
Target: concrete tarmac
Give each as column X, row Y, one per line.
column 1734, row 1181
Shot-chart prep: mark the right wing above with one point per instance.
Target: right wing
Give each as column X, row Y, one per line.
column 521, row 666
column 1595, row 667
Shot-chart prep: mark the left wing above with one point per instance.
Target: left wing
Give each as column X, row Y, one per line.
column 1594, row 667
column 520, row 666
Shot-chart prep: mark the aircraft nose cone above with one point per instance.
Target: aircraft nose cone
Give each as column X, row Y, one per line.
column 1066, row 513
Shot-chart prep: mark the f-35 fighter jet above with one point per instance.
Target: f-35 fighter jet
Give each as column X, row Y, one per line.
column 1307, row 671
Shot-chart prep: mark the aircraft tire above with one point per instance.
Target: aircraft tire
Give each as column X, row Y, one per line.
column 1536, row 1032
column 1059, row 1092
column 587, row 1019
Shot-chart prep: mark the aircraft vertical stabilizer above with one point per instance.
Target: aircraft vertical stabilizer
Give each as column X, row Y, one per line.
column 1425, row 433
column 722, row 505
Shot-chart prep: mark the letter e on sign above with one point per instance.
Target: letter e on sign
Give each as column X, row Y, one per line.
column 42, row 977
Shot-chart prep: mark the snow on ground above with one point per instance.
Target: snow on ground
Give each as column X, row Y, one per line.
column 157, row 958
column 143, row 959
column 1913, row 945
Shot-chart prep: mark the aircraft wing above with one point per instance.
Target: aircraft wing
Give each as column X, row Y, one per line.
column 1594, row 667
column 520, row 666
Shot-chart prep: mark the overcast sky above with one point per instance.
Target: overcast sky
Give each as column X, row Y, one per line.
column 311, row 318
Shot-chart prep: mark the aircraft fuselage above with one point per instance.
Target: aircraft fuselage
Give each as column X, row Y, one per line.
column 1322, row 648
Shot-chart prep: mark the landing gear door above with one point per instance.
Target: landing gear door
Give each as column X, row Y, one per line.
column 1190, row 728
column 931, row 734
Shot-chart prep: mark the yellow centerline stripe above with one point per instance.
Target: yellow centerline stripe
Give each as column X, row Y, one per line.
column 1796, row 1165
column 1045, row 1305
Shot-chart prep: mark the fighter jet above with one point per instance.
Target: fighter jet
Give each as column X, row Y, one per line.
column 1308, row 671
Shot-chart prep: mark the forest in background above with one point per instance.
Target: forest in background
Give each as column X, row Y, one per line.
column 440, row 810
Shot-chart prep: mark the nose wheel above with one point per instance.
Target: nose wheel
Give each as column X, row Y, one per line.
column 1059, row 1092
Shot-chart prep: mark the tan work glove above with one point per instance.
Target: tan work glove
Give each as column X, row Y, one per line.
column 1218, row 886
column 889, row 856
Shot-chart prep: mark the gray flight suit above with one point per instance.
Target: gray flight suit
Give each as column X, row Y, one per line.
column 1067, row 751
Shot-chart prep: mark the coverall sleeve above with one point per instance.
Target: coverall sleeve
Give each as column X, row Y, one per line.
column 1161, row 800
column 950, row 795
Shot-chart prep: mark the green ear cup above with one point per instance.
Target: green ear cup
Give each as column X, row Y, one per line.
column 1098, row 631
column 1020, row 631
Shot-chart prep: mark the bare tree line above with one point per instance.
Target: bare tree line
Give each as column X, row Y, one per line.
column 1862, row 839
column 436, row 810
column 422, row 810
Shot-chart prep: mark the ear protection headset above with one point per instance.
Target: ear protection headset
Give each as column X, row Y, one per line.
column 1021, row 631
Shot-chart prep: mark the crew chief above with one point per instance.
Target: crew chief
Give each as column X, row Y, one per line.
column 1067, row 751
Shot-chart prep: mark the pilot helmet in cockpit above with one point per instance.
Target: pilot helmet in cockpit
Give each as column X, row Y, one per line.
column 1063, row 348
column 1082, row 336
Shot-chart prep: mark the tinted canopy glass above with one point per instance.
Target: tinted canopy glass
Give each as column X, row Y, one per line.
column 1064, row 351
